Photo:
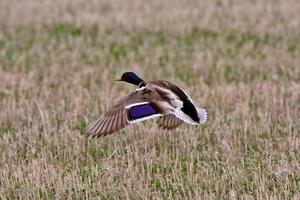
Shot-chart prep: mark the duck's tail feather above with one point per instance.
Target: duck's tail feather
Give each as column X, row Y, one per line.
column 202, row 114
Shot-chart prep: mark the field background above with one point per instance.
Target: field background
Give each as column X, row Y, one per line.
column 239, row 59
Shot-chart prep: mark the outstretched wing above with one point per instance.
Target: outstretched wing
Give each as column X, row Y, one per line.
column 135, row 107
column 109, row 122
column 169, row 122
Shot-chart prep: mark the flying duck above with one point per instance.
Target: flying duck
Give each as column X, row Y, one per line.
column 152, row 99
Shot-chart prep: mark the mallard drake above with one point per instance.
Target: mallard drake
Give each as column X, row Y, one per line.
column 159, row 99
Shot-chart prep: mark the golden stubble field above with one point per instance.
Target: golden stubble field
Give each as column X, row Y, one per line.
column 239, row 59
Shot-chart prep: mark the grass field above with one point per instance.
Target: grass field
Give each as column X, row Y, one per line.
column 238, row 59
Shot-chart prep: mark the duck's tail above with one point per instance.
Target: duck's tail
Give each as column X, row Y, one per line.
column 202, row 114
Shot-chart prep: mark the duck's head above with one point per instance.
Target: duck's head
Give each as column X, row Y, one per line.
column 131, row 77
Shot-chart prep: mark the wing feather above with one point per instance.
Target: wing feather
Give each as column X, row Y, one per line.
column 117, row 120
column 169, row 122
column 100, row 126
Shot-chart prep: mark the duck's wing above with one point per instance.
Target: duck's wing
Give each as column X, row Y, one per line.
column 169, row 122
column 132, row 108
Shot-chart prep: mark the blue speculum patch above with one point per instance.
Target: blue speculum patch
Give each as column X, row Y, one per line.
column 140, row 111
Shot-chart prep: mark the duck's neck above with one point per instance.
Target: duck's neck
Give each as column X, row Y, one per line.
column 142, row 84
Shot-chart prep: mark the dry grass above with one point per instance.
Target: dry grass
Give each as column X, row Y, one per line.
column 238, row 59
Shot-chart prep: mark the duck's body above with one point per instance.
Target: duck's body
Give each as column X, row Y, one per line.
column 152, row 99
